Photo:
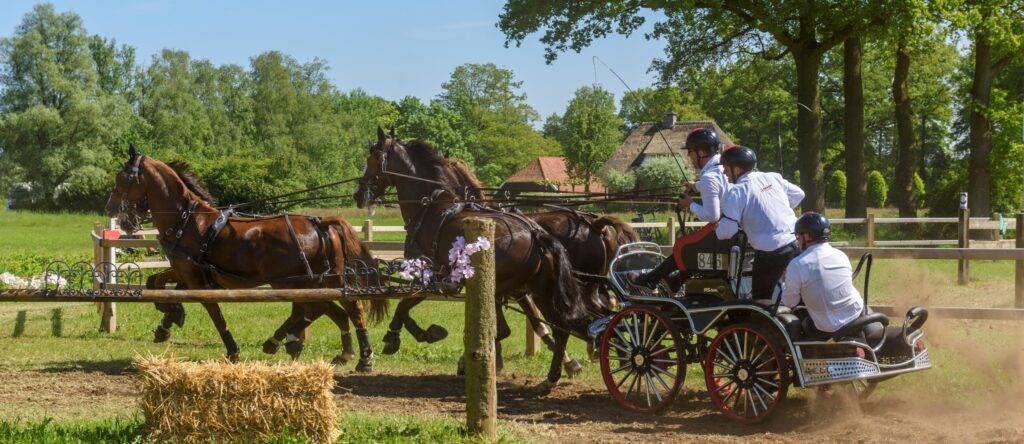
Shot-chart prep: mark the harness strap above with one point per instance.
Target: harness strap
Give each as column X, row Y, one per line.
column 295, row 239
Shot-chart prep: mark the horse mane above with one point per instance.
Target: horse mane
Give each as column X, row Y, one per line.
column 453, row 173
column 191, row 181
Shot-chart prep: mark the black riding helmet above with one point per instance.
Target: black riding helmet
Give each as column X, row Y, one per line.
column 704, row 140
column 815, row 224
column 740, row 156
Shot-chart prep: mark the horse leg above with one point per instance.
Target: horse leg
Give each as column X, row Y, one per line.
column 174, row 313
column 401, row 318
column 555, row 370
column 283, row 333
column 222, row 328
column 572, row 366
column 355, row 312
column 340, row 318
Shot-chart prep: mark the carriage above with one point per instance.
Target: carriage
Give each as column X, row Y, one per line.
column 750, row 351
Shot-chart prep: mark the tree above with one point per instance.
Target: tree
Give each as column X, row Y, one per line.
column 835, row 191
column 589, row 132
column 853, row 128
column 907, row 143
column 651, row 104
column 699, row 32
column 58, row 126
column 997, row 29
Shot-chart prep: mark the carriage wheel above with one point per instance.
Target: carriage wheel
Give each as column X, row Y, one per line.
column 746, row 372
column 642, row 359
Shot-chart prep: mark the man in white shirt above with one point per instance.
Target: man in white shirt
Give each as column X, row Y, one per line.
column 702, row 147
column 760, row 204
column 822, row 278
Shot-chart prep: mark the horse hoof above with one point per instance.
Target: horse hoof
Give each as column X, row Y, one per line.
column 364, row 366
column 573, row 368
column 460, row 370
column 161, row 335
column 270, row 346
column 342, row 359
column 392, row 341
column 293, row 348
column 233, row 357
column 434, row 333
column 178, row 318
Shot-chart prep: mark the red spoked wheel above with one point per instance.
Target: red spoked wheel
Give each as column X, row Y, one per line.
column 746, row 372
column 641, row 358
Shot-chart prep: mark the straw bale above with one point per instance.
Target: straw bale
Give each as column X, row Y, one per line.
column 245, row 402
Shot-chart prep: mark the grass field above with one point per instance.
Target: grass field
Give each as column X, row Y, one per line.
column 52, row 338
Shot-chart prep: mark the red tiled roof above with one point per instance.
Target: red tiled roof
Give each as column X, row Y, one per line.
column 550, row 170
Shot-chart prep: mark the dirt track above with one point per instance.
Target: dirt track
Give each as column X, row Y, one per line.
column 574, row 412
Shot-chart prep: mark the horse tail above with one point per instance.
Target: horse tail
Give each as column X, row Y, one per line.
column 356, row 249
column 571, row 307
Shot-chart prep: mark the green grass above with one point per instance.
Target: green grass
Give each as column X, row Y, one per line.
column 353, row 428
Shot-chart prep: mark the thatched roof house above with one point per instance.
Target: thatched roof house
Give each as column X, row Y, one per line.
column 645, row 141
column 545, row 174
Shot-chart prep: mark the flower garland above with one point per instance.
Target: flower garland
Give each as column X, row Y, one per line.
column 36, row 282
column 458, row 258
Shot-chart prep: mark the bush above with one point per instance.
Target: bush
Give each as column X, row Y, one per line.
column 657, row 174
column 835, row 189
column 919, row 193
column 620, row 181
column 878, row 190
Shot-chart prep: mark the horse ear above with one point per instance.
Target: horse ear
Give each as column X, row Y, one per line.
column 133, row 151
column 369, row 144
column 380, row 134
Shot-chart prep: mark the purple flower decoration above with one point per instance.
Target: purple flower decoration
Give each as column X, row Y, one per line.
column 458, row 257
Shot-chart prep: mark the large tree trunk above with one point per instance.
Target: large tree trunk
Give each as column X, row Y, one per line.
column 906, row 141
column 853, row 129
column 808, row 127
column 979, row 184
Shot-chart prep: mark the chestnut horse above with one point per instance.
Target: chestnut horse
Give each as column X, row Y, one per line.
column 528, row 259
column 208, row 251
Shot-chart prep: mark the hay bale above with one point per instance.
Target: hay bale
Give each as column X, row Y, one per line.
column 246, row 402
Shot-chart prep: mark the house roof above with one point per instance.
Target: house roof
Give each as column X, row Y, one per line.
column 645, row 140
column 549, row 170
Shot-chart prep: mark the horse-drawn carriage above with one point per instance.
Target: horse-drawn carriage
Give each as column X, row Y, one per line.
column 750, row 351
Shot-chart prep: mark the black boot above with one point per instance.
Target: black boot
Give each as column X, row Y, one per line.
column 365, row 351
column 347, row 353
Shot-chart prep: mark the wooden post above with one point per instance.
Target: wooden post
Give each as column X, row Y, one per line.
column 108, row 318
column 97, row 259
column 532, row 340
column 671, row 230
column 871, row 231
column 368, row 230
column 998, row 234
column 963, row 270
column 481, row 329
column 1019, row 284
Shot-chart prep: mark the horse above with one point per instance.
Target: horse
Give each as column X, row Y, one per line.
column 208, row 249
column 590, row 239
column 174, row 312
column 527, row 257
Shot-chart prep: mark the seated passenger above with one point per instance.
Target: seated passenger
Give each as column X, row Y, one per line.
column 821, row 277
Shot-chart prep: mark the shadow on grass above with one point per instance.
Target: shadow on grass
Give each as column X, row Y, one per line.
column 113, row 367
column 57, row 322
column 19, row 324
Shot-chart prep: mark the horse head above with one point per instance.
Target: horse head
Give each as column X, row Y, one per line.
column 375, row 180
column 128, row 201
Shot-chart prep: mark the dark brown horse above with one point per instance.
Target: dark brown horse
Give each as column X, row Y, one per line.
column 527, row 257
column 591, row 241
column 207, row 250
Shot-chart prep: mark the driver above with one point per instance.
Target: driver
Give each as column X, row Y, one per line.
column 702, row 146
column 822, row 278
column 760, row 204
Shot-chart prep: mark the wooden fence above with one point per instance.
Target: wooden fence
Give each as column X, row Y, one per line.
column 106, row 245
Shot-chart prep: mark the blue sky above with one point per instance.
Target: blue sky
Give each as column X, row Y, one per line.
column 391, row 49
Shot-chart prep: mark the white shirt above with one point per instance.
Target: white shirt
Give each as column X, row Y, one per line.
column 822, row 277
column 712, row 185
column 761, row 204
